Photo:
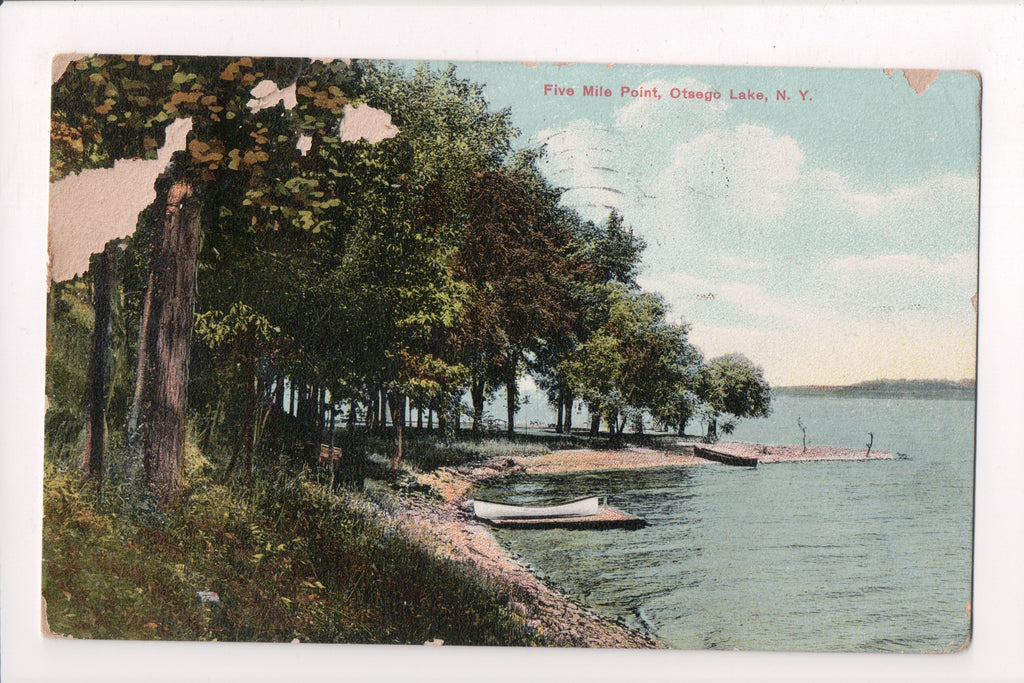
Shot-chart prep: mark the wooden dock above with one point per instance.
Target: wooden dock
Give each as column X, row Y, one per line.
column 606, row 518
column 723, row 457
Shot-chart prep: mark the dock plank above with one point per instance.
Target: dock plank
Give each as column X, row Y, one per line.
column 724, row 457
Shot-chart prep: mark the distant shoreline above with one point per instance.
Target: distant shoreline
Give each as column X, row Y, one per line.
column 889, row 388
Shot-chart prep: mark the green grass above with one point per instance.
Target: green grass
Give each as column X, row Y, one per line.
column 289, row 559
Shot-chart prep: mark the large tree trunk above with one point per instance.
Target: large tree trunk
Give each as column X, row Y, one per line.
column 595, row 422
column 569, row 400
column 397, row 404
column 157, row 418
column 308, row 425
column 98, row 371
column 320, row 421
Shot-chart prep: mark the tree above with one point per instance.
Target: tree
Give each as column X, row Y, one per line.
column 241, row 337
column 734, row 385
column 107, row 108
column 513, row 256
column 612, row 250
column 683, row 400
column 404, row 301
column 98, row 369
column 604, row 257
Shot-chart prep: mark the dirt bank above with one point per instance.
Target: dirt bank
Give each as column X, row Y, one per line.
column 446, row 527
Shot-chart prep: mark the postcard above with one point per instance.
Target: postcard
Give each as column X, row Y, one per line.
column 511, row 354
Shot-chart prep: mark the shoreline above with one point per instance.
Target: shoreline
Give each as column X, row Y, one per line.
column 446, row 527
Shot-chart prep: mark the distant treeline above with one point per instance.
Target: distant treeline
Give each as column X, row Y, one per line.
column 890, row 388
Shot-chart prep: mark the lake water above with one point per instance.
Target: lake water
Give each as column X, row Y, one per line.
column 823, row 556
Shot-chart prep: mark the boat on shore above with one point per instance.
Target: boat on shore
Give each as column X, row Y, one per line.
column 584, row 507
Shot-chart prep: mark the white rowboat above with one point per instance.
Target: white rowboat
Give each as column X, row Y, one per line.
column 584, row 507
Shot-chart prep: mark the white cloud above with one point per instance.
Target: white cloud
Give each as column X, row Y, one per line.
column 666, row 115
column 903, row 283
column 747, row 172
column 815, row 276
column 694, row 297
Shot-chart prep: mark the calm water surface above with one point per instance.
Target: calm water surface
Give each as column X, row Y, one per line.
column 859, row 556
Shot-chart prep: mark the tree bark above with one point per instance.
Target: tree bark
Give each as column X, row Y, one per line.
column 371, row 414
column 569, row 400
column 157, row 417
column 320, row 421
column 98, row 371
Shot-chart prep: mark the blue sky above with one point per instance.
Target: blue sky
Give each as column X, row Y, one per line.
column 831, row 237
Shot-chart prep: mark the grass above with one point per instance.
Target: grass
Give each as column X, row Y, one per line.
column 289, row 559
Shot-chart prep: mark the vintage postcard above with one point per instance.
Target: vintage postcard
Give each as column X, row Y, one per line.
column 511, row 354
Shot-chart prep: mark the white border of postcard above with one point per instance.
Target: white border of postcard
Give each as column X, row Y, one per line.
column 988, row 38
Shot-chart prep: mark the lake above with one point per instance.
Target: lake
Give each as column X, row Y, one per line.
column 821, row 556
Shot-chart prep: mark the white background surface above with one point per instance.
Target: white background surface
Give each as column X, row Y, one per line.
column 987, row 38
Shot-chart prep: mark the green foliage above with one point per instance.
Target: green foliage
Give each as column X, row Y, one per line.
column 738, row 387
column 288, row 560
column 68, row 330
column 734, row 385
column 633, row 361
column 613, row 250
column 240, row 330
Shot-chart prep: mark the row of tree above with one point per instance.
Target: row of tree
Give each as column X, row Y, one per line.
column 361, row 274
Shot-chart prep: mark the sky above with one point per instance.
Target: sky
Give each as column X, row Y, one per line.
column 830, row 234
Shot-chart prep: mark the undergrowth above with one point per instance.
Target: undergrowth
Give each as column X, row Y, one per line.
column 288, row 558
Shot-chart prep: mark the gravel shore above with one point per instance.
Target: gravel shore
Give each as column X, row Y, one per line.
column 446, row 526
